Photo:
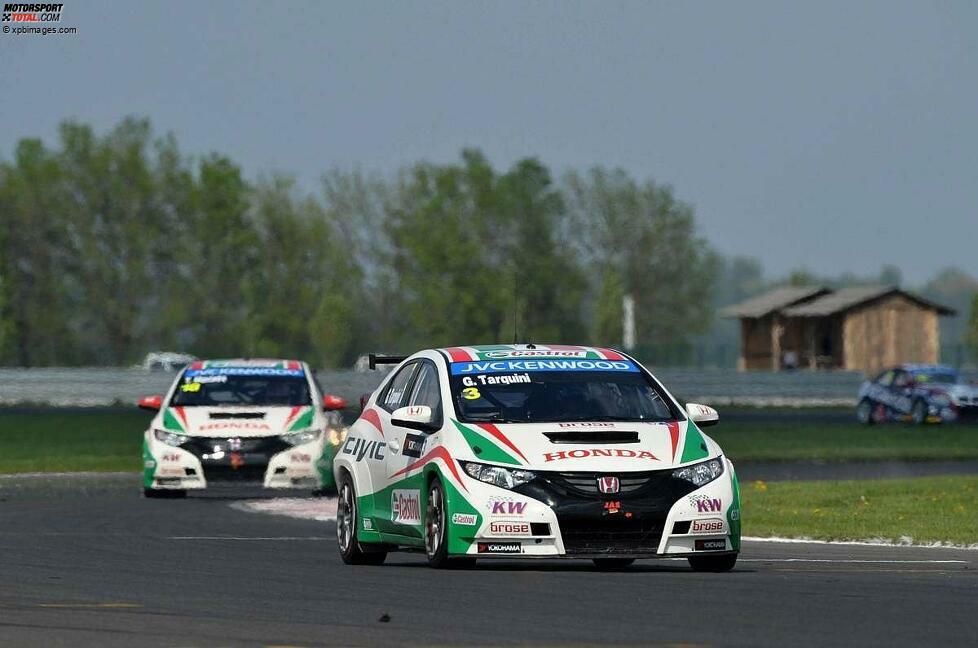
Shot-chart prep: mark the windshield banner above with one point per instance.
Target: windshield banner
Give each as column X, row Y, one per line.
column 513, row 366
column 244, row 371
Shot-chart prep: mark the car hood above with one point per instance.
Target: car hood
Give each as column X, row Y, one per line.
column 237, row 421
column 962, row 390
column 588, row 446
column 956, row 389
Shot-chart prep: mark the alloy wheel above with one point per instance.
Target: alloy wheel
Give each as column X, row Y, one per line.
column 434, row 521
column 345, row 519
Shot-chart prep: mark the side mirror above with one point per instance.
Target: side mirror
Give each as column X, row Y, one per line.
column 332, row 403
column 419, row 417
column 702, row 415
column 151, row 403
column 364, row 399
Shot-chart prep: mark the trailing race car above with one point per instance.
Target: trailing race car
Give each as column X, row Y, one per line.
column 917, row 393
column 533, row 451
column 258, row 421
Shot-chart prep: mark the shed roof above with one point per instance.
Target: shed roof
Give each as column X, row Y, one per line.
column 773, row 300
column 846, row 298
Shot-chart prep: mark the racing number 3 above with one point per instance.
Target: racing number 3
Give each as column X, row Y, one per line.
column 471, row 393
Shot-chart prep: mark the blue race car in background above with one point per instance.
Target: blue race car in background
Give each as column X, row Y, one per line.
column 919, row 394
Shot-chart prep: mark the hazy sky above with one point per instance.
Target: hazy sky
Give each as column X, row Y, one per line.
column 836, row 136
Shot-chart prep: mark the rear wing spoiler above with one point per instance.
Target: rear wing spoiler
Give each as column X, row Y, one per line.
column 375, row 359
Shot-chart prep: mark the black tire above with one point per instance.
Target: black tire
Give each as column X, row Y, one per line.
column 918, row 413
column 352, row 551
column 722, row 563
column 864, row 412
column 163, row 493
column 612, row 564
column 436, row 531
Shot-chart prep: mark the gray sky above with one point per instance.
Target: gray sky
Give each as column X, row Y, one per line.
column 836, row 136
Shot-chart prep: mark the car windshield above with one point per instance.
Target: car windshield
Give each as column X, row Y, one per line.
column 947, row 377
column 555, row 396
column 227, row 387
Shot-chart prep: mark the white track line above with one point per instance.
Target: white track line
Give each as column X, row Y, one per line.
column 855, row 562
column 222, row 538
column 66, row 475
column 879, row 542
column 324, row 509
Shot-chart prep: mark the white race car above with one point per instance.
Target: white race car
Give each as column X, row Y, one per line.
column 260, row 421
column 532, row 451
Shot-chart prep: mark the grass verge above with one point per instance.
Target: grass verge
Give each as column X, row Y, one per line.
column 110, row 440
column 777, row 441
column 932, row 509
column 71, row 441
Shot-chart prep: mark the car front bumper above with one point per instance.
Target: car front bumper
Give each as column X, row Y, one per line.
column 258, row 461
column 564, row 515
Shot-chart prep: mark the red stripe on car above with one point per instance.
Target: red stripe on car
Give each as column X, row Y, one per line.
column 436, row 453
column 292, row 415
column 371, row 416
column 494, row 431
column 674, row 437
column 183, row 417
column 458, row 354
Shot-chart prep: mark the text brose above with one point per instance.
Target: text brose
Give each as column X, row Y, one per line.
column 509, row 528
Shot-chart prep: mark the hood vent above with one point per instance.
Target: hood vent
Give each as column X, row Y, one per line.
column 237, row 415
column 612, row 436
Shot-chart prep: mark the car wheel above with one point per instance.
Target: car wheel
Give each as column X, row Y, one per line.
column 436, row 530
column 610, row 564
column 164, row 493
column 918, row 413
column 352, row 551
column 864, row 412
column 713, row 563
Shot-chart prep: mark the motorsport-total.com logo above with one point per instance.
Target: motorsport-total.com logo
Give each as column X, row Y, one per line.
column 31, row 12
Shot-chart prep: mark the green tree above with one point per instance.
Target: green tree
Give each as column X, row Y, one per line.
column 355, row 207
column 34, row 259
column 220, row 247
column 972, row 332
column 641, row 236
column 548, row 282
column 440, row 226
column 297, row 294
column 116, row 222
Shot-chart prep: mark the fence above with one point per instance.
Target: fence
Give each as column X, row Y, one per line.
column 107, row 386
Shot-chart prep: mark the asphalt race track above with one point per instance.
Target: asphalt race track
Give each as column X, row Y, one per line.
column 88, row 561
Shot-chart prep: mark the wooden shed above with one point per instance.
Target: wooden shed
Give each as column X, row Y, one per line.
column 862, row 328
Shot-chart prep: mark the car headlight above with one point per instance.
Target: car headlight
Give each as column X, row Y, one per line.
column 336, row 436
column 701, row 473
column 498, row 476
column 300, row 437
column 169, row 438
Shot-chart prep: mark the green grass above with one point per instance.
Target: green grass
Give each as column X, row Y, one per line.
column 844, row 442
column 79, row 440
column 926, row 510
column 71, row 441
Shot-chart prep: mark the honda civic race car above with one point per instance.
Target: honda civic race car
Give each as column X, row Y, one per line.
column 532, row 451
column 258, row 421
column 917, row 393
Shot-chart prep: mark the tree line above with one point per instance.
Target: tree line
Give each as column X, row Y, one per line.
column 116, row 244
column 112, row 245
